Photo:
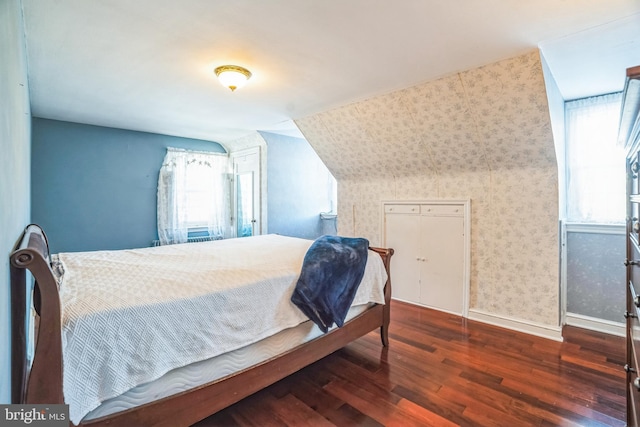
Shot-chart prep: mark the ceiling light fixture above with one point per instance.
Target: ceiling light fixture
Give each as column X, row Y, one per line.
column 232, row 76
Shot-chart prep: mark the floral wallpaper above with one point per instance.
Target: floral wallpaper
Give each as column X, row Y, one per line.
column 482, row 134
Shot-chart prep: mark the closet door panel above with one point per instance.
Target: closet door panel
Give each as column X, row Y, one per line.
column 442, row 258
column 402, row 234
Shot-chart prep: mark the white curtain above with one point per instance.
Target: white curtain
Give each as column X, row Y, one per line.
column 192, row 193
column 595, row 163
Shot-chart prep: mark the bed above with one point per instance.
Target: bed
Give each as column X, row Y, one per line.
column 98, row 324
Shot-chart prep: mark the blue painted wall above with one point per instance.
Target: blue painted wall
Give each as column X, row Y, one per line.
column 299, row 188
column 596, row 277
column 15, row 128
column 95, row 187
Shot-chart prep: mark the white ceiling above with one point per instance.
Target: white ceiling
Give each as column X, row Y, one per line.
column 148, row 64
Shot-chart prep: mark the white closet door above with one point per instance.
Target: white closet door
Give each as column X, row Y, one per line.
column 402, row 234
column 430, row 264
column 247, row 209
column 442, row 259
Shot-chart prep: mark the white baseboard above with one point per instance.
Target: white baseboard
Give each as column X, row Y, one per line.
column 545, row 331
column 595, row 324
column 455, row 313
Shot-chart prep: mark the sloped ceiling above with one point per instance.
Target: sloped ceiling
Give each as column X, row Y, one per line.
column 483, row 135
column 147, row 64
column 481, row 119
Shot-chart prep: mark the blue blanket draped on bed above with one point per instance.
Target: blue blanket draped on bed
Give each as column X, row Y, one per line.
column 331, row 273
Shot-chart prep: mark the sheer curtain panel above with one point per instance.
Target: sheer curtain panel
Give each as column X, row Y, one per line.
column 192, row 195
column 595, row 163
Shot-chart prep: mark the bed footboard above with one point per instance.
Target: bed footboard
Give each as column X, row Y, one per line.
column 41, row 380
column 386, row 254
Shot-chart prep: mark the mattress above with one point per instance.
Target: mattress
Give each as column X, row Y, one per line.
column 215, row 368
column 131, row 316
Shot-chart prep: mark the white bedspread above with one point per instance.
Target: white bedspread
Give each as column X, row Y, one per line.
column 131, row 316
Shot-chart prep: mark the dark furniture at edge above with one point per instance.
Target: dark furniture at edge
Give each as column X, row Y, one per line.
column 629, row 135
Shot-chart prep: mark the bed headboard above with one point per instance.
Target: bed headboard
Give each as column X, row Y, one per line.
column 31, row 252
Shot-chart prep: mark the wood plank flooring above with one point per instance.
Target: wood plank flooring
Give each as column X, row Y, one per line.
column 441, row 370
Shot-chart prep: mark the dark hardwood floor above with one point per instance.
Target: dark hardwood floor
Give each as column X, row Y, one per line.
column 441, row 370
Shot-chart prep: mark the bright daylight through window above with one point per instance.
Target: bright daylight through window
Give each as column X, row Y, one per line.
column 192, row 194
column 595, row 161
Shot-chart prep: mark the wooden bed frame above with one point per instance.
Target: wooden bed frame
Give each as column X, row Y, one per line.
column 41, row 383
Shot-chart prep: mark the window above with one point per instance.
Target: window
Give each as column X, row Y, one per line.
column 192, row 195
column 595, row 162
column 201, row 191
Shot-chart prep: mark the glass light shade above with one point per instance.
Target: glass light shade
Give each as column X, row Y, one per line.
column 232, row 76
